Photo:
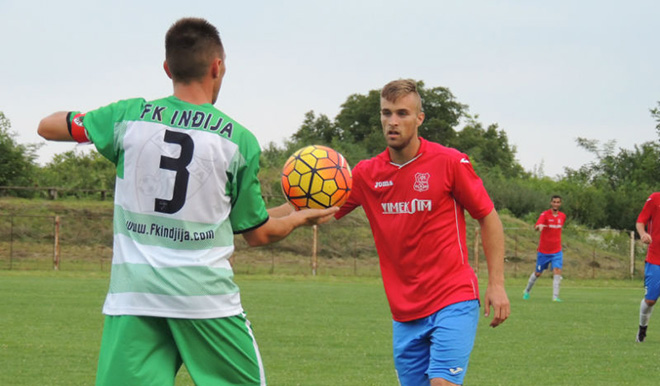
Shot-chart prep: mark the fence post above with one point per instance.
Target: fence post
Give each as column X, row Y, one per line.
column 11, row 242
column 593, row 263
column 314, row 243
column 476, row 250
column 56, row 246
column 632, row 254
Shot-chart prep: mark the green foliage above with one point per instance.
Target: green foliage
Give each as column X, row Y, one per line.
column 611, row 191
column 442, row 114
column 655, row 113
column 519, row 196
column 359, row 118
column 489, row 148
column 83, row 170
column 17, row 161
column 316, row 130
column 605, row 193
column 356, row 131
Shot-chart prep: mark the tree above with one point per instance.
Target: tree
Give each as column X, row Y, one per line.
column 442, row 114
column 316, row 130
column 359, row 118
column 614, row 187
column 83, row 170
column 489, row 147
column 17, row 161
column 655, row 113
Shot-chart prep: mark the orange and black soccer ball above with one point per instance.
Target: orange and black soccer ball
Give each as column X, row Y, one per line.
column 316, row 177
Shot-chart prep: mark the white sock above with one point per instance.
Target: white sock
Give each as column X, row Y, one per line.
column 530, row 283
column 644, row 313
column 556, row 280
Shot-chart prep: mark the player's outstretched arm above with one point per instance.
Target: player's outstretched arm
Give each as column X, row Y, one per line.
column 54, row 127
column 492, row 235
column 277, row 228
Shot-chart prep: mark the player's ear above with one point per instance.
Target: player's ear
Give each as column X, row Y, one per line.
column 216, row 68
column 420, row 118
column 167, row 69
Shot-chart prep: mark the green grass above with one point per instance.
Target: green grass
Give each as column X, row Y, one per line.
column 336, row 331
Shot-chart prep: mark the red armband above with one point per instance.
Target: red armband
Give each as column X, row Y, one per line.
column 77, row 128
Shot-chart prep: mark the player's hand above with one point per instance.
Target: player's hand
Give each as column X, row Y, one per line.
column 539, row 227
column 497, row 298
column 317, row 216
column 646, row 238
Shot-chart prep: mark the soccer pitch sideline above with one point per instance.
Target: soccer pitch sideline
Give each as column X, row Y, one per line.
column 336, row 331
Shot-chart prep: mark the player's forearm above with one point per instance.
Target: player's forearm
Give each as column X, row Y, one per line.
column 277, row 228
column 280, row 211
column 54, row 127
column 641, row 228
column 272, row 231
column 492, row 236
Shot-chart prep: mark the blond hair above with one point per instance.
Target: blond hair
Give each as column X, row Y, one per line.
column 399, row 88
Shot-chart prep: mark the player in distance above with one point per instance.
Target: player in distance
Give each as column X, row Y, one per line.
column 649, row 233
column 550, row 224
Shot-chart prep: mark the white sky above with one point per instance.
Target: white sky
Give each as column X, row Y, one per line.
column 545, row 71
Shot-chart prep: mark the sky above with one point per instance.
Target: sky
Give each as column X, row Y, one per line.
column 546, row 72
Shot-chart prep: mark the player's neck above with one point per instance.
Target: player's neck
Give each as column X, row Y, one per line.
column 196, row 93
column 405, row 154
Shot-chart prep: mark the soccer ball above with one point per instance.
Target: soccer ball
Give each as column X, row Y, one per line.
column 316, row 177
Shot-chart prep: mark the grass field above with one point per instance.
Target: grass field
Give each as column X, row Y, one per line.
column 336, row 331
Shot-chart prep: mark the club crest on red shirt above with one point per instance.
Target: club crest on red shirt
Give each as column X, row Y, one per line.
column 422, row 182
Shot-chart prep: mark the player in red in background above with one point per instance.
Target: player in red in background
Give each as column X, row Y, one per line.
column 414, row 194
column 649, row 233
column 550, row 224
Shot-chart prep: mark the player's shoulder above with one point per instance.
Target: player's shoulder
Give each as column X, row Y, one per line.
column 120, row 110
column 136, row 103
column 376, row 161
column 435, row 149
column 655, row 196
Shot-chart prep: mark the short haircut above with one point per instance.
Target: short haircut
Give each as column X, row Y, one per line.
column 555, row 196
column 399, row 88
column 190, row 46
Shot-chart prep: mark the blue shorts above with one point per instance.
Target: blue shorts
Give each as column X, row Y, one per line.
column 436, row 346
column 651, row 281
column 543, row 260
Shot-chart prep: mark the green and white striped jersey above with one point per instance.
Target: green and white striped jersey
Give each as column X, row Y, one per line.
column 186, row 182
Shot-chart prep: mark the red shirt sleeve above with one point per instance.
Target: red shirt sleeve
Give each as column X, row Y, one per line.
column 647, row 211
column 541, row 219
column 469, row 190
column 354, row 199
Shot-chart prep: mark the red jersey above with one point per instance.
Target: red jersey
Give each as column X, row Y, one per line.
column 550, row 240
column 416, row 215
column 650, row 212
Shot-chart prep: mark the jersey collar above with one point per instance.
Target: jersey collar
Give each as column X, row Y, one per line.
column 422, row 147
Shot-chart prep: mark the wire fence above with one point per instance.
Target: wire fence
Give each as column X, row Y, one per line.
column 84, row 243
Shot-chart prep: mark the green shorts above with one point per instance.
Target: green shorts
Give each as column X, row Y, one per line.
column 141, row 350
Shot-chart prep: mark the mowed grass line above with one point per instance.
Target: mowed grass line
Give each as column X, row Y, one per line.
column 337, row 331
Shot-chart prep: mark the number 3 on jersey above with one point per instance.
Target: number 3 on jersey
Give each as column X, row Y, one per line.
column 178, row 165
